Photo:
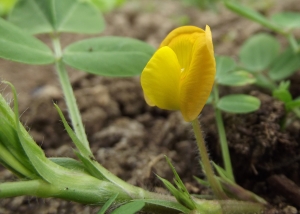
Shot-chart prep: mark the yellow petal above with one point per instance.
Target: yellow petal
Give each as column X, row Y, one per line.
column 209, row 40
column 198, row 80
column 181, row 41
column 160, row 80
column 184, row 30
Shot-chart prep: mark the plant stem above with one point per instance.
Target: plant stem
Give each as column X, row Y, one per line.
column 37, row 188
column 222, row 135
column 252, row 15
column 264, row 81
column 68, row 94
column 42, row 189
column 293, row 42
column 215, row 185
column 102, row 192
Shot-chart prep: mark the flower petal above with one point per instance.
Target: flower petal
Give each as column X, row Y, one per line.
column 196, row 86
column 160, row 80
column 181, row 41
column 180, row 31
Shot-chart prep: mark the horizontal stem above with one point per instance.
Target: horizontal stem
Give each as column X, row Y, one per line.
column 293, row 42
column 43, row 189
column 37, row 188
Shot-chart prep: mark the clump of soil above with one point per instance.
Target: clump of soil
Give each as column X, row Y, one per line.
column 130, row 138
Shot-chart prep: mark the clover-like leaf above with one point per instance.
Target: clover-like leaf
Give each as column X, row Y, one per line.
column 287, row 20
column 238, row 103
column 48, row 16
column 224, row 64
column 109, row 56
column 17, row 45
column 285, row 65
column 237, row 78
column 258, row 52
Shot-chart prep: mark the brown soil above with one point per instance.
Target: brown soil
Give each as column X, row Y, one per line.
column 130, row 138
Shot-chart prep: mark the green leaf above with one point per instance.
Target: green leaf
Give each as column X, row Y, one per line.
column 17, row 45
column 265, row 82
column 282, row 92
column 238, row 103
column 168, row 204
column 170, row 187
column 292, row 104
column 69, row 163
column 224, row 64
column 90, row 166
column 202, row 182
column 50, row 171
column 287, row 20
column 222, row 173
column 83, row 149
column 48, row 16
column 129, row 208
column 180, row 184
column 108, row 204
column 107, row 5
column 11, row 144
column 9, row 161
column 252, row 15
column 109, row 56
column 285, row 65
column 12, row 154
column 237, row 78
column 183, row 196
column 257, row 53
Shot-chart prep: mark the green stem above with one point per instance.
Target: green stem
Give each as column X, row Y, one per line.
column 215, row 185
column 68, row 94
column 101, row 194
column 253, row 15
column 222, row 136
column 37, row 188
column 264, row 81
column 293, row 42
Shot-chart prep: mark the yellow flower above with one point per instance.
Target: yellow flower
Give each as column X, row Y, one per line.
column 181, row 73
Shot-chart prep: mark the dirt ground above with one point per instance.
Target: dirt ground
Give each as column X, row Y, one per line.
column 130, row 138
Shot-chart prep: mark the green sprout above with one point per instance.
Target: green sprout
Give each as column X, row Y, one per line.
column 292, row 106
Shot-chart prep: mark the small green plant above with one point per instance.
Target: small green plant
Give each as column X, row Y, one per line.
column 292, row 106
column 261, row 55
column 228, row 74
